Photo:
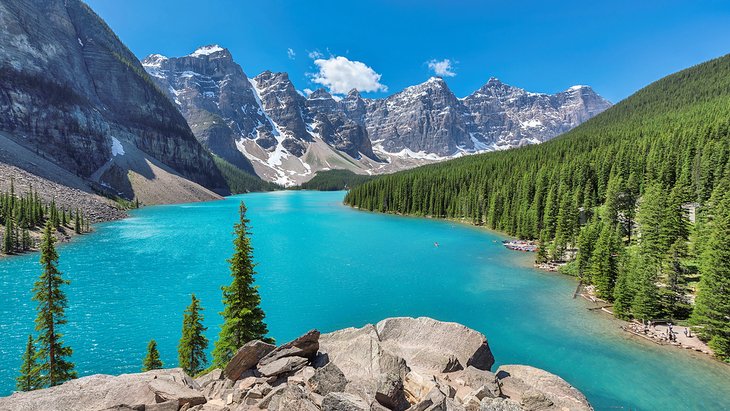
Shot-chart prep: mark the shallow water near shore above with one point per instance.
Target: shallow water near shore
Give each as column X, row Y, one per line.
column 323, row 265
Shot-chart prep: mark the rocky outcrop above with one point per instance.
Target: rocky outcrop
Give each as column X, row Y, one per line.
column 158, row 389
column 73, row 94
column 398, row 364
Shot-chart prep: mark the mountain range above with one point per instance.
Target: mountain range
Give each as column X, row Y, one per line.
column 77, row 108
column 266, row 126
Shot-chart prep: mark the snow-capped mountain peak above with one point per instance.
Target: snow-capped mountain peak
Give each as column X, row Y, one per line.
column 207, row 50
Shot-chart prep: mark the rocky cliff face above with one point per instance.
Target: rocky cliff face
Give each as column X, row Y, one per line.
column 503, row 116
column 70, row 88
column 288, row 137
column 397, row 364
column 426, row 118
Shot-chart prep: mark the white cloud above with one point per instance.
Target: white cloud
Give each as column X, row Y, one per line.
column 290, row 53
column 314, row 54
column 442, row 68
column 307, row 92
column 340, row 75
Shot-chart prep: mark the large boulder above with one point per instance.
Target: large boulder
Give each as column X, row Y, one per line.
column 435, row 346
column 340, row 401
column 357, row 352
column 536, row 389
column 327, row 379
column 246, row 358
column 390, row 392
column 360, row 355
column 500, row 404
column 282, row 366
column 100, row 392
column 305, row 346
column 289, row 398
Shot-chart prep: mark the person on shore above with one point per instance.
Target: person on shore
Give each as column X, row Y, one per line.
column 685, row 332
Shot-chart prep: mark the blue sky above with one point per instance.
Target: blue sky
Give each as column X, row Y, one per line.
column 616, row 47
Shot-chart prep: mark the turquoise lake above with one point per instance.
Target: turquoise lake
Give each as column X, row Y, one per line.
column 323, row 265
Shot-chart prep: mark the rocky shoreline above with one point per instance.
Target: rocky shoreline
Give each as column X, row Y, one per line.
column 399, row 364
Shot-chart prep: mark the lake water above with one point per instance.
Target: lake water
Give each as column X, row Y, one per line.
column 323, row 265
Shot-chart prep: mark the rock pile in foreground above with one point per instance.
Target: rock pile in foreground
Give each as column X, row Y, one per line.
column 414, row 364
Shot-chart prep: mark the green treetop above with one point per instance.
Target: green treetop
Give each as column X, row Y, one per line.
column 152, row 359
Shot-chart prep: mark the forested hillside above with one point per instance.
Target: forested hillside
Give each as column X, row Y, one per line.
column 612, row 198
column 334, row 180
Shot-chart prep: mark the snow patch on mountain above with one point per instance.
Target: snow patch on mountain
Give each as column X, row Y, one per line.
column 117, row 148
column 206, row 50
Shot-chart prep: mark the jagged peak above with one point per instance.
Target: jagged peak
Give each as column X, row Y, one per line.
column 578, row 87
column 353, row 94
column 320, row 94
column 268, row 74
column 435, row 80
column 154, row 60
column 208, row 50
column 431, row 83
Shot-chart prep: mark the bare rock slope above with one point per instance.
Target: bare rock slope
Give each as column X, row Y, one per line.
column 73, row 94
column 399, row 364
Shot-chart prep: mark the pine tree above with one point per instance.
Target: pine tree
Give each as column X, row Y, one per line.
column 623, row 292
column 242, row 315
column 653, row 227
column 8, row 245
column 645, row 305
column 29, row 378
column 27, row 242
column 152, row 359
column 191, row 350
column 566, row 224
column 586, row 244
column 54, row 366
column 77, row 222
column 712, row 306
column 604, row 262
column 613, row 204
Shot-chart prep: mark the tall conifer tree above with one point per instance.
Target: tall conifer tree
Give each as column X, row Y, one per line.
column 712, row 306
column 152, row 360
column 53, row 355
column 191, row 350
column 29, row 378
column 242, row 314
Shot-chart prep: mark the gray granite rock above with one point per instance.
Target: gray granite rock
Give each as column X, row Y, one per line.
column 537, row 389
column 98, row 392
column 328, row 379
column 432, row 345
column 340, row 401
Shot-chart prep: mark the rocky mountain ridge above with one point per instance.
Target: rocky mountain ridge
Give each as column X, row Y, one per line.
column 71, row 93
column 398, row 364
column 288, row 136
